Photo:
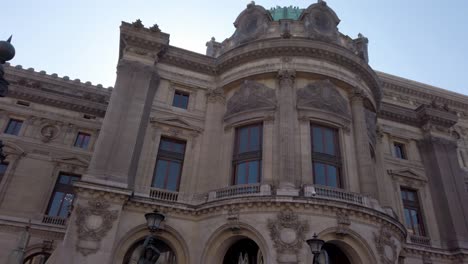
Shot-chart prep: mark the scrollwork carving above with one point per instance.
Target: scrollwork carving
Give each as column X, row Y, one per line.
column 288, row 232
column 93, row 223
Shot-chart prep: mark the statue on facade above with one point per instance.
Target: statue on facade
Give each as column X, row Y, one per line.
column 7, row 52
column 243, row 258
column 150, row 254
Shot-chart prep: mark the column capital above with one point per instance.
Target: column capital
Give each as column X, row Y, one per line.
column 216, row 95
column 357, row 95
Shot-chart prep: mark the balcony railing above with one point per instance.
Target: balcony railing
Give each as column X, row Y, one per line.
column 334, row 193
column 54, row 220
column 164, row 195
column 234, row 191
column 420, row 240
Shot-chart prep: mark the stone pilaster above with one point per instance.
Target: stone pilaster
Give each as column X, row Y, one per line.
column 286, row 123
column 366, row 169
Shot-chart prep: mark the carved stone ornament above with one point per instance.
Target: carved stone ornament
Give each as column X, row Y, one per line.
column 343, row 222
column 251, row 95
column 216, row 95
column 321, row 22
column 324, row 95
column 287, row 232
column 49, row 132
column 93, row 223
column 386, row 246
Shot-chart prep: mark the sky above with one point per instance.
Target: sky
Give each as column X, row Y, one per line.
column 422, row 40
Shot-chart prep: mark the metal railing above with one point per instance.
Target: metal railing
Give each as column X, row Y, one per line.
column 164, row 195
column 422, row 240
column 54, row 220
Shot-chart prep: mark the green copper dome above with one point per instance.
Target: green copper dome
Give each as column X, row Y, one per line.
column 287, row 12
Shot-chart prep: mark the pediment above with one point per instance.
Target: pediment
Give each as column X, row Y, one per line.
column 324, row 95
column 407, row 173
column 176, row 122
column 251, row 95
column 72, row 160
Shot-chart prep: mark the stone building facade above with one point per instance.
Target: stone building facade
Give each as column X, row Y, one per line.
column 281, row 131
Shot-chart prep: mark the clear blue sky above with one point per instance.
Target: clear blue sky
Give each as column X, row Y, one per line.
column 423, row 40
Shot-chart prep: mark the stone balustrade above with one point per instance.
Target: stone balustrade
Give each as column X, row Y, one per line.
column 421, row 240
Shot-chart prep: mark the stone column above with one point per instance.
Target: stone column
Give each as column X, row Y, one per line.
column 367, row 177
column 287, row 138
column 212, row 144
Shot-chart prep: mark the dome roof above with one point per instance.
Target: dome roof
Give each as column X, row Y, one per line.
column 287, row 12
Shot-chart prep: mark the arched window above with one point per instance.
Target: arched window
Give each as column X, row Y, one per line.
column 37, row 258
column 167, row 254
column 244, row 251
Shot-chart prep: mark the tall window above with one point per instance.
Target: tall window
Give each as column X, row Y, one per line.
column 180, row 99
column 400, row 151
column 247, row 160
column 62, row 198
column 326, row 160
column 82, row 140
column 3, row 168
column 412, row 212
column 13, row 127
column 169, row 163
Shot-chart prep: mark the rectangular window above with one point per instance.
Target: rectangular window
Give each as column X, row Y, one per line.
column 13, row 127
column 412, row 212
column 82, row 140
column 326, row 160
column 3, row 168
column 168, row 169
column 399, row 150
column 62, row 199
column 247, row 158
column 180, row 99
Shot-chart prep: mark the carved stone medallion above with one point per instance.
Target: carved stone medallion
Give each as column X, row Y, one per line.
column 287, row 232
column 49, row 132
column 93, row 223
column 385, row 245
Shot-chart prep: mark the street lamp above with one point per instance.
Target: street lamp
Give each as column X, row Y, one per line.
column 315, row 245
column 150, row 253
column 7, row 52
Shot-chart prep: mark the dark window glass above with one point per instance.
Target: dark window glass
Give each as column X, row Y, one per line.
column 400, row 151
column 62, row 199
column 247, row 159
column 169, row 163
column 412, row 212
column 13, row 127
column 180, row 99
column 3, row 168
column 82, row 140
column 326, row 160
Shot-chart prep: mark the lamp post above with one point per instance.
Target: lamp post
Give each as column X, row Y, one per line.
column 7, row 52
column 150, row 253
column 315, row 245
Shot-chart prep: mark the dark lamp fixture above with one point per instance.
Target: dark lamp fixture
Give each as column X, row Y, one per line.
column 315, row 244
column 154, row 220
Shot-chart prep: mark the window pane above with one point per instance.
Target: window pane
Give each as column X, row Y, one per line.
column 13, row 127
column 411, row 196
column 254, row 138
column 241, row 172
column 180, row 100
column 160, row 174
column 319, row 173
column 55, row 205
column 66, row 205
column 3, row 168
column 253, row 172
column 332, row 176
column 329, row 142
column 318, row 141
column 165, row 145
column 174, row 172
column 408, row 220
column 243, row 139
column 64, row 179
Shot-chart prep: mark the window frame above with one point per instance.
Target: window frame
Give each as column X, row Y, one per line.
column 327, row 159
column 169, row 156
column 178, row 92
column 81, row 145
column 64, row 188
column 17, row 120
column 248, row 156
column 403, row 151
column 415, row 206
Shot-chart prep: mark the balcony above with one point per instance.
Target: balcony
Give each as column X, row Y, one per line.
column 420, row 240
column 54, row 220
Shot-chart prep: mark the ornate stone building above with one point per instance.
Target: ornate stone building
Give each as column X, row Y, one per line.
column 281, row 131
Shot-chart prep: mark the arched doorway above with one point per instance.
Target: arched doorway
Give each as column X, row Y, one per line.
column 244, row 251
column 38, row 258
column 332, row 254
column 167, row 254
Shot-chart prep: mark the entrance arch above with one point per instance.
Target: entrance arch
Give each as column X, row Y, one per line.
column 332, row 254
column 243, row 251
column 167, row 254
